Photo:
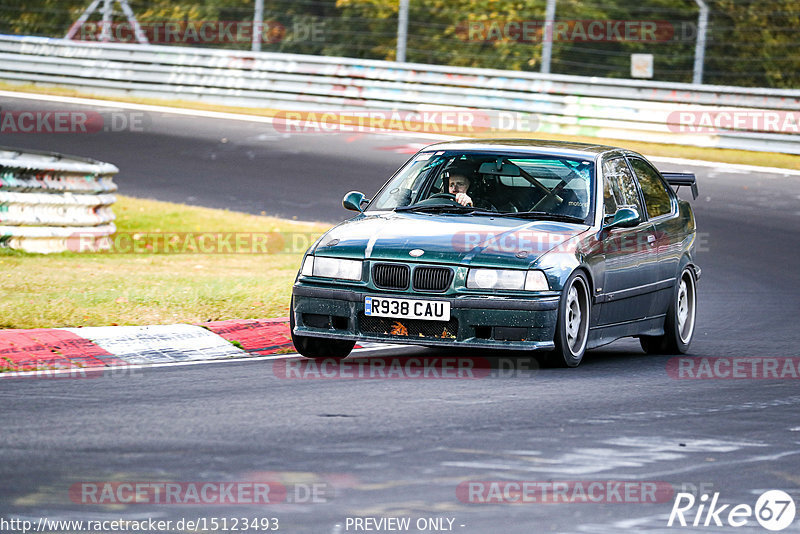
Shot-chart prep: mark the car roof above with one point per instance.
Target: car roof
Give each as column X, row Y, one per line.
column 526, row 146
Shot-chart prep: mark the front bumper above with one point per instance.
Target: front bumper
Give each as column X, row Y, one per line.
column 489, row 322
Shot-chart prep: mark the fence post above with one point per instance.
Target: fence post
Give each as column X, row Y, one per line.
column 402, row 31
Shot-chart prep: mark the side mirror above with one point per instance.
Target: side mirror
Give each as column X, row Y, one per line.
column 624, row 218
column 352, row 201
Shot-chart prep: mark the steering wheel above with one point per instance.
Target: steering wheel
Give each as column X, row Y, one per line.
column 440, row 197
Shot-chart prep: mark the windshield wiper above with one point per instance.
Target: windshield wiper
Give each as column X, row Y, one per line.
column 543, row 215
column 489, row 213
column 435, row 207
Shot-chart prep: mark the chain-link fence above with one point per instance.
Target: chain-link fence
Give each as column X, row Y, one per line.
column 749, row 43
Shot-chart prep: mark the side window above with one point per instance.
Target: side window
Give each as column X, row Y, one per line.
column 619, row 187
column 611, row 196
column 653, row 188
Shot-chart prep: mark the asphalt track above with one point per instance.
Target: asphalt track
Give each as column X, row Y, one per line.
column 400, row 448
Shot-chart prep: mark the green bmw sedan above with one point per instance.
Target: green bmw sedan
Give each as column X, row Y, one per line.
column 506, row 244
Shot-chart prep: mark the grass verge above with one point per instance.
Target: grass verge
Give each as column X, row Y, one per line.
column 723, row 155
column 142, row 286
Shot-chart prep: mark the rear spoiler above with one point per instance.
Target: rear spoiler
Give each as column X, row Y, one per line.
column 682, row 178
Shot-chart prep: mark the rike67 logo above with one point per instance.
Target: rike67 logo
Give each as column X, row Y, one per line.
column 774, row 510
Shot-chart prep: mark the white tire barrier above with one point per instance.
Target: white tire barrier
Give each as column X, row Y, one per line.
column 46, row 199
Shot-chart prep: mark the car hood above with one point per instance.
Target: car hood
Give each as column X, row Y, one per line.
column 452, row 239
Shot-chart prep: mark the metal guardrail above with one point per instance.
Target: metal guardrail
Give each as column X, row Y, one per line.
column 598, row 107
column 48, row 201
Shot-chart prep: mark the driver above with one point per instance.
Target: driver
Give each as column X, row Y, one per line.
column 458, row 183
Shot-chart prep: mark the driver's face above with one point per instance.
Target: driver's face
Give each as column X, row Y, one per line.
column 458, row 184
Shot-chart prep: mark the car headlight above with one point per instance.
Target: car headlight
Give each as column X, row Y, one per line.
column 332, row 268
column 507, row 279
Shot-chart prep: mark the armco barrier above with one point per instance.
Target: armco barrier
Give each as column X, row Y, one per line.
column 46, row 198
column 559, row 104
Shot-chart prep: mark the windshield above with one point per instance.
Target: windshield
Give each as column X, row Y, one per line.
column 501, row 184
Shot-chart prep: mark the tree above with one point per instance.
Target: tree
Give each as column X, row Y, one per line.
column 750, row 43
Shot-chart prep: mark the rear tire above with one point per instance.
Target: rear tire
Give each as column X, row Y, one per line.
column 318, row 347
column 572, row 325
column 680, row 320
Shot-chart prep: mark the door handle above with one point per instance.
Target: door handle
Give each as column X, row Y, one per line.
column 651, row 239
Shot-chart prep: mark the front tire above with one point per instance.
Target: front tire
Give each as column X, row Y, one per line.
column 680, row 320
column 572, row 325
column 318, row 347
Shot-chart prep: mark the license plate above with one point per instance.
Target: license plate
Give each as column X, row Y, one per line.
column 431, row 310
